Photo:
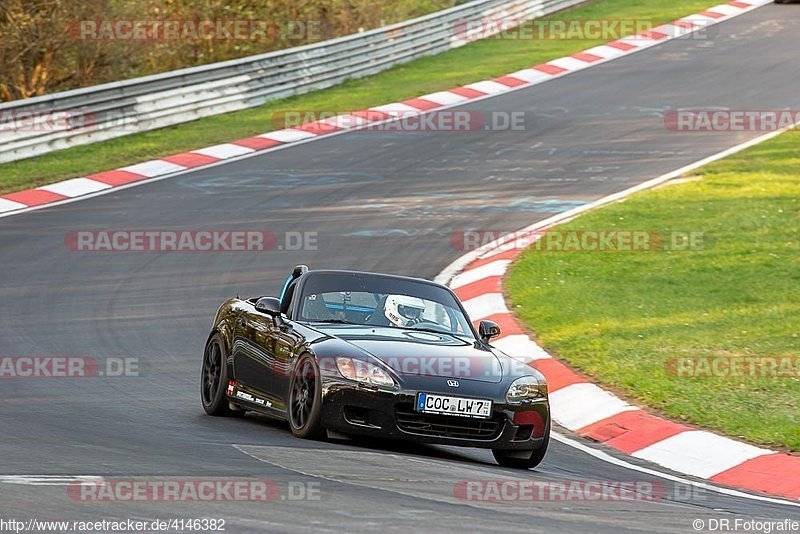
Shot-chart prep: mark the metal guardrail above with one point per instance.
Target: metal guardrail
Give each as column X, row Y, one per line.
column 35, row 126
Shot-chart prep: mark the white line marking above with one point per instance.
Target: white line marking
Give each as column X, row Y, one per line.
column 223, row 151
column 605, row 457
column 671, row 30
column 531, row 75
column 489, row 87
column 397, row 109
column 605, row 51
column 569, row 63
column 345, row 121
column 641, row 42
column 152, row 168
column 580, row 405
column 485, row 305
column 522, row 245
column 699, row 453
column 445, row 98
column 288, row 135
column 10, row 205
column 725, row 9
column 75, row 187
column 495, row 268
column 700, row 21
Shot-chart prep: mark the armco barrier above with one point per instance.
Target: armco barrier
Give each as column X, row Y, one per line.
column 141, row 104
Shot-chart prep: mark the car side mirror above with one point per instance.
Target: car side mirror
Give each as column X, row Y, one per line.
column 269, row 305
column 488, row 330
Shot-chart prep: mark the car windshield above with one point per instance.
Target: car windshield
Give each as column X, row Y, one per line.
column 376, row 300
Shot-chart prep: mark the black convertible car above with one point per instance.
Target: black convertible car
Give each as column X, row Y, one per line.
column 354, row 353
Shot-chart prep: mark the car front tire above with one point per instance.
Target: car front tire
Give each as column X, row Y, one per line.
column 214, row 379
column 305, row 399
column 523, row 459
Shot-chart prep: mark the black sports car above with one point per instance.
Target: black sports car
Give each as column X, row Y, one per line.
column 355, row 353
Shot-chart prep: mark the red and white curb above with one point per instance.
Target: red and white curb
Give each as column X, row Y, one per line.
column 596, row 414
column 103, row 182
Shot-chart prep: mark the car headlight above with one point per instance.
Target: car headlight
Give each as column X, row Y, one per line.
column 362, row 371
column 525, row 388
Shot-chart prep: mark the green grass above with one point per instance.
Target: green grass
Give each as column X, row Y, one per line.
column 477, row 61
column 620, row 317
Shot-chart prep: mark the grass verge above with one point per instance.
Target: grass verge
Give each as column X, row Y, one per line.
column 625, row 318
column 477, row 61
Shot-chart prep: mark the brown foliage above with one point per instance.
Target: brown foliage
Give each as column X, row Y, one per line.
column 42, row 51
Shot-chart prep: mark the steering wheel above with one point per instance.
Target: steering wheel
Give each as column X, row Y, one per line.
column 437, row 326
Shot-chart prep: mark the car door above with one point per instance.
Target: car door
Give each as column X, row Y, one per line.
column 287, row 340
column 254, row 352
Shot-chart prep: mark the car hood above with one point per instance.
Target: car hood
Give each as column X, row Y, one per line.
column 418, row 353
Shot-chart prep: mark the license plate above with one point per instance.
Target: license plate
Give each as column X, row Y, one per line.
column 445, row 405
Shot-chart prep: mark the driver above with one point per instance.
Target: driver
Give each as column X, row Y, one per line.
column 403, row 311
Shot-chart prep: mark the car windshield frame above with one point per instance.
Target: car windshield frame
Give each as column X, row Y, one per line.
column 317, row 282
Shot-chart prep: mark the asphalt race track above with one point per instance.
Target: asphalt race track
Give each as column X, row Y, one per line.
column 378, row 201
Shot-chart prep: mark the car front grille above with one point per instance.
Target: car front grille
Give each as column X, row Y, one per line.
column 447, row 426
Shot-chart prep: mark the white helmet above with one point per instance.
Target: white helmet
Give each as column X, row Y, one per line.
column 402, row 310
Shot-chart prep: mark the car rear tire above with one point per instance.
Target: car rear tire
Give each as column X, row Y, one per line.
column 523, row 459
column 305, row 399
column 214, row 379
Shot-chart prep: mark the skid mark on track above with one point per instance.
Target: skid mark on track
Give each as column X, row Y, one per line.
column 48, row 480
